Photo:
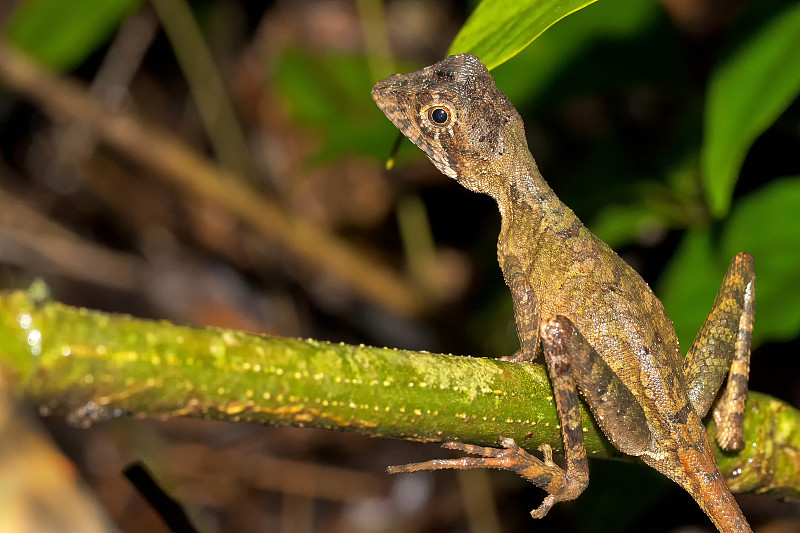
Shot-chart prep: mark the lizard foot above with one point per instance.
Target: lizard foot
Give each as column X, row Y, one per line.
column 520, row 356
column 543, row 473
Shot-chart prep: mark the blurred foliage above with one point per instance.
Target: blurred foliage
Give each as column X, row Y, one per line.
column 326, row 93
column 763, row 222
column 62, row 34
column 751, row 86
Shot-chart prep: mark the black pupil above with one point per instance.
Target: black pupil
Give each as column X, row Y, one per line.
column 439, row 116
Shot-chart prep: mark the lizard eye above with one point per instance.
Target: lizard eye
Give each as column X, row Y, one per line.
column 439, row 116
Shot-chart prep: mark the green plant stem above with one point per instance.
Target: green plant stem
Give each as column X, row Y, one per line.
column 95, row 366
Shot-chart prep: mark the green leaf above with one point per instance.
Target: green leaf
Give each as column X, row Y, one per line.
column 764, row 224
column 499, row 29
column 619, row 224
column 62, row 34
column 748, row 91
column 690, row 282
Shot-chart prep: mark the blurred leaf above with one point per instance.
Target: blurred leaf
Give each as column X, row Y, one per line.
column 332, row 94
column 764, row 224
column 498, row 29
column 690, row 282
column 748, row 91
column 618, row 225
column 653, row 208
column 62, row 34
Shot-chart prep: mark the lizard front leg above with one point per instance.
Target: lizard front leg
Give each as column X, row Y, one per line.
column 525, row 315
column 722, row 347
column 561, row 484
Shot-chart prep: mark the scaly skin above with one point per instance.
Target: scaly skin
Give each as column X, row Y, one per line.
column 601, row 329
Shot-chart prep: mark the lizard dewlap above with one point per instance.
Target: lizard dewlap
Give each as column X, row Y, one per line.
column 601, row 330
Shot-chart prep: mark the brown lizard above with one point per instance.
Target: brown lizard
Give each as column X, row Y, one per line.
column 602, row 331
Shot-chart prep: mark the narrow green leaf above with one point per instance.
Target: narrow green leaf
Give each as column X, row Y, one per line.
column 499, row 29
column 62, row 34
column 748, row 91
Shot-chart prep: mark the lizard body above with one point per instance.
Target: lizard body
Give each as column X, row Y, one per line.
column 601, row 329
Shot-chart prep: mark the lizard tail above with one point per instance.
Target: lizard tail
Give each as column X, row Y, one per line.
column 701, row 478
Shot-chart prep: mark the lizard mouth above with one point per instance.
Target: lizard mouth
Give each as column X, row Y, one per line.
column 390, row 98
column 387, row 97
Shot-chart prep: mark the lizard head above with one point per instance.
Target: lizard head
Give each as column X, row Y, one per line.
column 456, row 114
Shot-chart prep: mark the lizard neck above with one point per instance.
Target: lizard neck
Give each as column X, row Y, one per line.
column 520, row 190
column 523, row 188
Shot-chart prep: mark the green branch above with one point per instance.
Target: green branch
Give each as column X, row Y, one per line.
column 96, row 366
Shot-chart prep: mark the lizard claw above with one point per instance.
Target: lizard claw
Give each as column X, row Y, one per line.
column 509, row 444
column 547, row 453
column 546, row 505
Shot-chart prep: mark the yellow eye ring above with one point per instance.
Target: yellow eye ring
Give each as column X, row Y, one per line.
column 439, row 116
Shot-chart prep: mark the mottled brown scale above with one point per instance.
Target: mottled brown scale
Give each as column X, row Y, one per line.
column 602, row 331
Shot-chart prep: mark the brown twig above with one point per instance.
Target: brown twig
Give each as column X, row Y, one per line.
column 206, row 85
column 29, row 239
column 174, row 162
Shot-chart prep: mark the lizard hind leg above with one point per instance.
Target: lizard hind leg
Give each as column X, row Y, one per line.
column 722, row 348
column 560, row 484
